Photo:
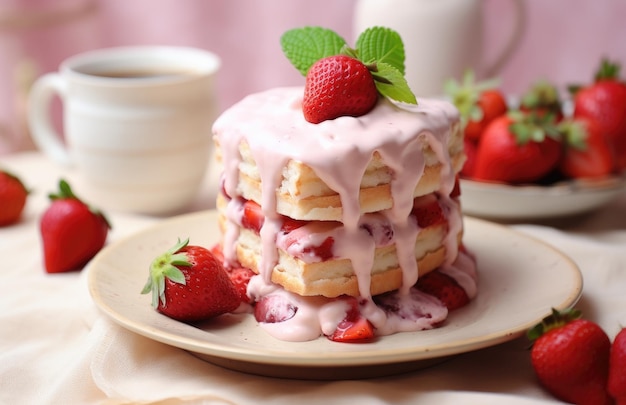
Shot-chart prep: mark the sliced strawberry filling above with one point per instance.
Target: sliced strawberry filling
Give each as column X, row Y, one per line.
column 354, row 327
column 274, row 308
column 313, row 240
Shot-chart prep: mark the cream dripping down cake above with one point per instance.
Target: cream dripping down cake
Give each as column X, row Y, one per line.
column 343, row 206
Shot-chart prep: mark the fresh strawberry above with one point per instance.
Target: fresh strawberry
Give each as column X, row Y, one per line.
column 617, row 368
column 342, row 81
column 13, row 196
column 570, row 356
column 543, row 98
column 492, row 104
column 478, row 102
column 274, row 309
column 310, row 247
column 604, row 102
column 72, row 232
column 587, row 153
column 289, row 224
column 444, row 287
column 216, row 250
column 517, row 148
column 189, row 284
column 338, row 86
column 324, row 251
column 354, row 327
column 427, row 211
column 240, row 277
column 252, row 218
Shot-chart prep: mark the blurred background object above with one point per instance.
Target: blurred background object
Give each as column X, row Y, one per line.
column 563, row 42
column 34, row 36
column 458, row 27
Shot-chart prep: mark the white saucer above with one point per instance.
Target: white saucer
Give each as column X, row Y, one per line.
column 535, row 202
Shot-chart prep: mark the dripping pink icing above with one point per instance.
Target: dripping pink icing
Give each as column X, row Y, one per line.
column 339, row 151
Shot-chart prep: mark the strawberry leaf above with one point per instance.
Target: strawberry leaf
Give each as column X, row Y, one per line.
column 163, row 267
column 174, row 274
column 608, row 70
column 381, row 45
column 305, row 46
column 533, row 127
column 466, row 93
column 574, row 133
column 390, row 82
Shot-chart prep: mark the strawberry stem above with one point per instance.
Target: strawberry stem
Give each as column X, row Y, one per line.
column 533, row 127
column 608, row 70
column 574, row 133
column 164, row 266
column 555, row 320
column 542, row 94
column 465, row 94
column 66, row 192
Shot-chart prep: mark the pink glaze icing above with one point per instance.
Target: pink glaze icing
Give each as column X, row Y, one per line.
column 339, row 151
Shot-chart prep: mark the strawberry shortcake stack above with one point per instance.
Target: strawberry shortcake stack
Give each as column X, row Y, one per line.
column 343, row 202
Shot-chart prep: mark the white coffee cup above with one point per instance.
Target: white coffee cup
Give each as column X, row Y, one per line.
column 136, row 122
column 442, row 38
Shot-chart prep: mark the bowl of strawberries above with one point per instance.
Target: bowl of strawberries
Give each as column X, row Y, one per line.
column 541, row 157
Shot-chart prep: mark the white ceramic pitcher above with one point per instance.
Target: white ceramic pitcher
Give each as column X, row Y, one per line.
column 442, row 38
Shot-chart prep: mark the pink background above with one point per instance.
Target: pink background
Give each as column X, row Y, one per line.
column 564, row 40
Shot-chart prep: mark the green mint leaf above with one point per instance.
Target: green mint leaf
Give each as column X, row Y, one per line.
column 390, row 82
column 380, row 44
column 305, row 46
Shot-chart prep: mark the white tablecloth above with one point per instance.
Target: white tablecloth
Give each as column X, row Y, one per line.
column 57, row 348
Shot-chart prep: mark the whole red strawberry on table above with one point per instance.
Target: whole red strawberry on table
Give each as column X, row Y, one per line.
column 570, row 356
column 13, row 196
column 72, row 231
column 575, row 360
column 617, row 368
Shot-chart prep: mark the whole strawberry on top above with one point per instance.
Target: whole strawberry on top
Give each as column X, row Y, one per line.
column 72, row 232
column 570, row 356
column 604, row 101
column 479, row 103
column 344, row 81
column 13, row 197
column 189, row 283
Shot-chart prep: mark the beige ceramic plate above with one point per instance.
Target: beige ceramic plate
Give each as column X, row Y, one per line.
column 532, row 202
column 520, row 280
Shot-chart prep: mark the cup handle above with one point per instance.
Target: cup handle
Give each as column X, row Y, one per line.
column 42, row 130
column 519, row 27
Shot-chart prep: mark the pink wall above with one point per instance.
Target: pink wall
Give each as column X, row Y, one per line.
column 564, row 41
